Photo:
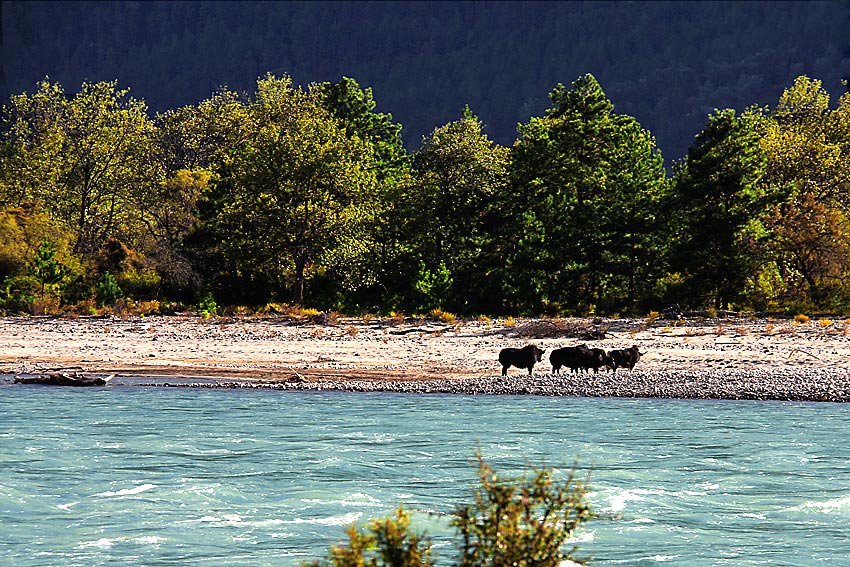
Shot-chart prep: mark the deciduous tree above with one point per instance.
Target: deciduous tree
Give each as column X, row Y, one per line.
column 298, row 190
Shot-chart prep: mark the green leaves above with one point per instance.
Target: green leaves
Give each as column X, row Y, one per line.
column 46, row 267
column 385, row 543
column 84, row 157
column 718, row 194
column 300, row 187
column 593, row 180
column 523, row 522
column 309, row 194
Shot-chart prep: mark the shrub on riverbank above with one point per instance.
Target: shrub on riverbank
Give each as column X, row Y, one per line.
column 523, row 522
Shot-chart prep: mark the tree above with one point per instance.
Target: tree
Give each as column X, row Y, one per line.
column 719, row 202
column 524, row 521
column 170, row 215
column 355, row 109
column 202, row 136
column 374, row 275
column 35, row 256
column 84, row 157
column 387, row 542
column 296, row 192
column 459, row 172
column 808, row 146
column 47, row 269
column 580, row 222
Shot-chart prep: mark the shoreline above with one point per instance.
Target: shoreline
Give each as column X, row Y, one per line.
column 793, row 385
column 769, row 359
column 817, row 385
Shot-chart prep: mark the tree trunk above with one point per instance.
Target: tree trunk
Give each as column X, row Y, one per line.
column 298, row 292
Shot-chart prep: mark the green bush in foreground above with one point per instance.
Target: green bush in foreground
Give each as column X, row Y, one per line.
column 516, row 522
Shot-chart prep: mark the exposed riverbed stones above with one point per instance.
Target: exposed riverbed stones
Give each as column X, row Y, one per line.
column 795, row 384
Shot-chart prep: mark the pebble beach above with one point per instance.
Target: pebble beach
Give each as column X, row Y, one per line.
column 694, row 358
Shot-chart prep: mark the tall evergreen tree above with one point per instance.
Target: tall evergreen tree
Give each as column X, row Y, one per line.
column 579, row 224
column 719, row 203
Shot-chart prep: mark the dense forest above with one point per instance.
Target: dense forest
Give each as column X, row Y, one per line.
column 308, row 195
column 668, row 64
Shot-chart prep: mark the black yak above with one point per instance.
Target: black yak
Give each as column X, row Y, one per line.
column 599, row 359
column 626, row 357
column 574, row 358
column 524, row 357
column 579, row 358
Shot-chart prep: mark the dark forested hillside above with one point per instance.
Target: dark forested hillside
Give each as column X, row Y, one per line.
column 669, row 64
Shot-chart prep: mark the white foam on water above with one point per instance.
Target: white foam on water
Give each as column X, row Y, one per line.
column 149, row 540
column 67, row 506
column 356, row 499
column 657, row 558
column 225, row 518
column 128, row 491
column 827, row 506
column 102, row 543
column 265, row 523
column 196, row 489
column 618, row 501
column 341, row 520
column 584, row 536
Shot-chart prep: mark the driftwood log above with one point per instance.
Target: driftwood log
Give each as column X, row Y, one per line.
column 62, row 379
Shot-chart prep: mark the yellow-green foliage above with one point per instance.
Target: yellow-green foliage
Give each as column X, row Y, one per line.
column 13, row 249
column 22, row 230
column 522, row 522
column 443, row 316
column 387, row 542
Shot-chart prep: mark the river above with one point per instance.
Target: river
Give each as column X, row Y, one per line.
column 226, row 478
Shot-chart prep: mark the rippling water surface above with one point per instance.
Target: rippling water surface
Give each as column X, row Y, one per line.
column 137, row 476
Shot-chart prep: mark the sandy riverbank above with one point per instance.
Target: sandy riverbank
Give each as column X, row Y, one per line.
column 352, row 351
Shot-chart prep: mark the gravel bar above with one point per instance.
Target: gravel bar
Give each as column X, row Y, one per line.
column 816, row 384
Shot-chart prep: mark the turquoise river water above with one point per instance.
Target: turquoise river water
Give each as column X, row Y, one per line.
column 224, row 478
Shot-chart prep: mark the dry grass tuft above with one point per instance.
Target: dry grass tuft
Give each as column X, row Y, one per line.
column 443, row 316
